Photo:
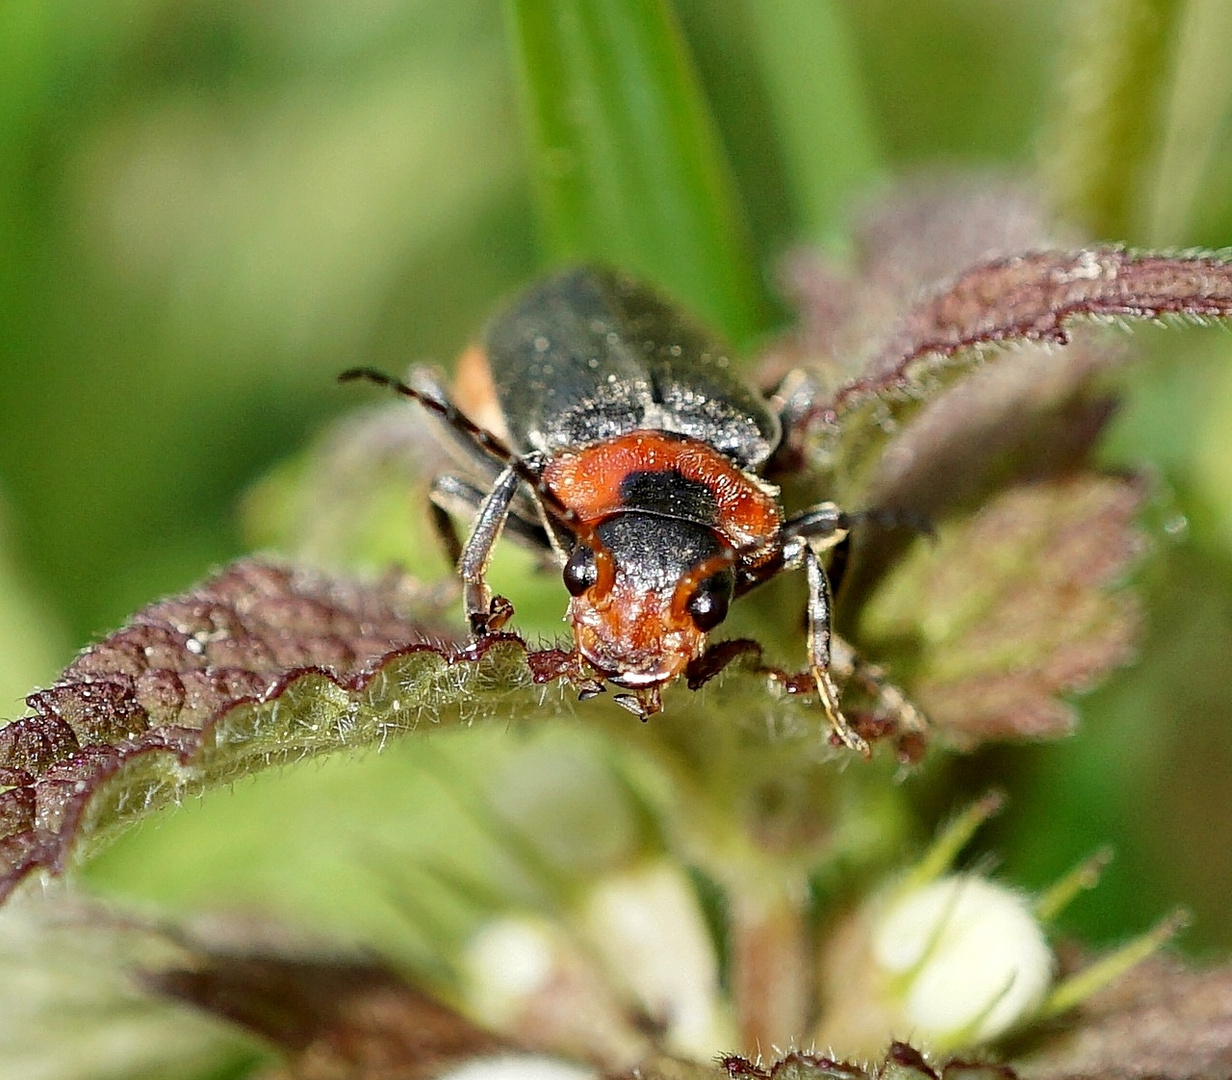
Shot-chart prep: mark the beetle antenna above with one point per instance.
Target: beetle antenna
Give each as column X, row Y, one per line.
column 484, row 439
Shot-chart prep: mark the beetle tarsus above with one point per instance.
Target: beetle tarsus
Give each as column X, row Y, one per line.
column 840, row 726
column 500, row 611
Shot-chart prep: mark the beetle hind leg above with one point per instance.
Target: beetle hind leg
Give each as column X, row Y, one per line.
column 890, row 701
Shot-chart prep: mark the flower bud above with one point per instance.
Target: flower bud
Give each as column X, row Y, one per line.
column 956, row 961
column 525, row 977
column 648, row 927
column 967, row 956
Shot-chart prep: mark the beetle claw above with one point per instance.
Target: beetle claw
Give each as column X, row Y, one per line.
column 499, row 612
column 642, row 704
column 630, row 702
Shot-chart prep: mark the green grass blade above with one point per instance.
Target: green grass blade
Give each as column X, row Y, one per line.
column 1198, row 118
column 1108, row 124
column 627, row 161
column 819, row 111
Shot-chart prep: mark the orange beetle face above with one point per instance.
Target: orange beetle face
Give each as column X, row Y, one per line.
column 663, row 524
column 645, row 596
column 632, row 637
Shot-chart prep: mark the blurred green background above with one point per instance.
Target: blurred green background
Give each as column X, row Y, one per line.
column 210, row 207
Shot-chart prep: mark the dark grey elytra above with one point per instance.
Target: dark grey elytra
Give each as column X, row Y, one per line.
column 591, row 353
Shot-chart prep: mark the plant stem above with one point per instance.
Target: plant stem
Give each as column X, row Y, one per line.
column 771, row 962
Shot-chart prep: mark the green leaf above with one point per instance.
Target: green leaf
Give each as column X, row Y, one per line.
column 626, row 156
column 1199, row 108
column 258, row 666
column 70, row 1007
column 355, row 497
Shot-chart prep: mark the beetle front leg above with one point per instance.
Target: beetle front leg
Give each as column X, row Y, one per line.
column 819, row 641
column 486, row 613
column 805, row 535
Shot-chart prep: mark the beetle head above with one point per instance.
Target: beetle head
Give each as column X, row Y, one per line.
column 646, row 590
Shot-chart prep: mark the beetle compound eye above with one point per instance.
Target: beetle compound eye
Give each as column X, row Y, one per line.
column 581, row 570
column 709, row 602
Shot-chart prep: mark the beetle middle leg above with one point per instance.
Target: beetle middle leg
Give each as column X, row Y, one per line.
column 451, row 497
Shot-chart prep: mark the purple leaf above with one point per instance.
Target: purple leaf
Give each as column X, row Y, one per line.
column 1036, row 298
column 252, row 667
column 1009, row 611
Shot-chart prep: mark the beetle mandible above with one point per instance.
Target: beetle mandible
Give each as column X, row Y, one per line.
column 627, row 447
